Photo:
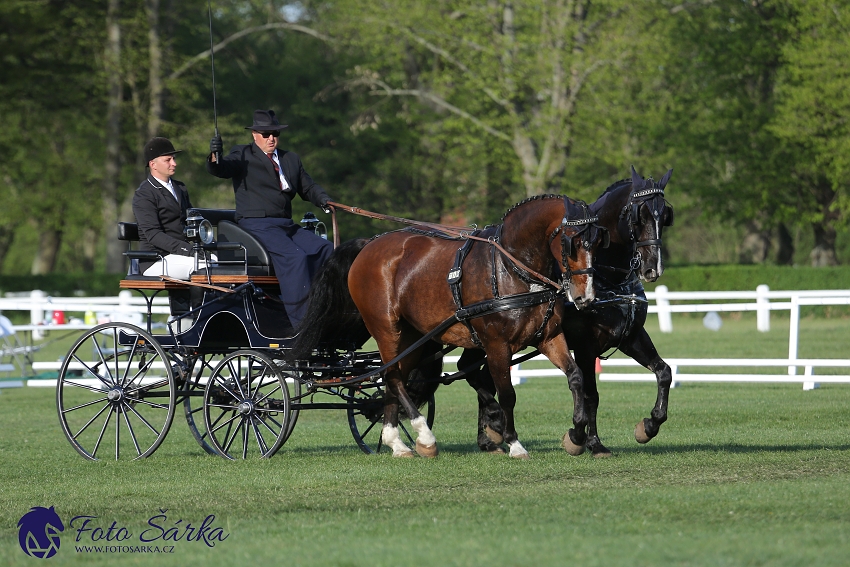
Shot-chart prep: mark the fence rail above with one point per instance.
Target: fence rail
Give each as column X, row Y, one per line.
column 663, row 303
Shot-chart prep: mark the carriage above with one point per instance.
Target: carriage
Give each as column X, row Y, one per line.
column 221, row 358
column 243, row 376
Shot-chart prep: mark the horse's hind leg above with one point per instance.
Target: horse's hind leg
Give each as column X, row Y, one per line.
column 389, row 434
column 639, row 346
column 557, row 352
column 499, row 363
column 491, row 418
column 586, row 360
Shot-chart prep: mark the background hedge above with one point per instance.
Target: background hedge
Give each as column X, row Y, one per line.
column 676, row 278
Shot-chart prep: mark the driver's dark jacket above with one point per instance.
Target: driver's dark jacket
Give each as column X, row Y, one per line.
column 256, row 184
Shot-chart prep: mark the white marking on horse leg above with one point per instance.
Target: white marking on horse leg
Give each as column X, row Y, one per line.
column 517, row 450
column 391, row 439
column 423, row 432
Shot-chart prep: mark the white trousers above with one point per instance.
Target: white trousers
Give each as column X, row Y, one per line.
column 177, row 266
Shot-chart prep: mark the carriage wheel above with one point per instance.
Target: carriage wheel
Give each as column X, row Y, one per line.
column 246, row 406
column 293, row 384
column 366, row 418
column 115, row 399
column 192, row 391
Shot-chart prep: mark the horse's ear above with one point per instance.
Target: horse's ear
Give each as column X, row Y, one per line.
column 666, row 178
column 637, row 180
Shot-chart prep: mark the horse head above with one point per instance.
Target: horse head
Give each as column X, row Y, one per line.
column 646, row 215
column 574, row 243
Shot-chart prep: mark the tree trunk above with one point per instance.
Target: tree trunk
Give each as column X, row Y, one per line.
column 112, row 168
column 90, row 249
column 755, row 244
column 784, row 246
column 823, row 254
column 49, row 241
column 7, row 235
column 155, row 72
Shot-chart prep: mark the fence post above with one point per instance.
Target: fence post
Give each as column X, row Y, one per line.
column 762, row 309
column 665, row 320
column 37, row 312
column 793, row 332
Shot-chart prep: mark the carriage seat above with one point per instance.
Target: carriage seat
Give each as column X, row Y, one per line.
column 253, row 261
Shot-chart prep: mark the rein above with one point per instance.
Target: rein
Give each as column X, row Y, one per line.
column 461, row 232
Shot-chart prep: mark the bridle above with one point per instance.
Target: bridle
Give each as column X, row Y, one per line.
column 585, row 225
column 631, row 213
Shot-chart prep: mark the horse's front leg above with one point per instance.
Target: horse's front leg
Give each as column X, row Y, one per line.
column 586, row 360
column 639, row 346
column 557, row 352
column 499, row 364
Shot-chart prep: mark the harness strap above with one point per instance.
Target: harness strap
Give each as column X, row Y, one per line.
column 455, row 280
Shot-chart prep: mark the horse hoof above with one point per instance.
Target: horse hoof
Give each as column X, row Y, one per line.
column 496, row 451
column 521, row 456
column 570, row 447
column 493, row 435
column 640, row 433
column 404, row 454
column 603, row 454
column 428, row 451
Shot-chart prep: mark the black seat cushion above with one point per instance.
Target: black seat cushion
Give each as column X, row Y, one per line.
column 259, row 261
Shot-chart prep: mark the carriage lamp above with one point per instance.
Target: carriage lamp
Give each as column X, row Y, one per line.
column 198, row 229
column 311, row 223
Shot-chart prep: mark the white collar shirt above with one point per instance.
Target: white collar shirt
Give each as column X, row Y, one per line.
column 168, row 185
column 283, row 183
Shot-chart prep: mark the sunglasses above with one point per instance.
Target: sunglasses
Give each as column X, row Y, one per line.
column 276, row 134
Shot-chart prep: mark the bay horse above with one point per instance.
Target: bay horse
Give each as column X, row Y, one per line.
column 482, row 290
column 635, row 213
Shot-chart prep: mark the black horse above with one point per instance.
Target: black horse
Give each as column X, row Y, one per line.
column 635, row 212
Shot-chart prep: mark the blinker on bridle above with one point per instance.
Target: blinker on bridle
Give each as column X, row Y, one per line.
column 566, row 241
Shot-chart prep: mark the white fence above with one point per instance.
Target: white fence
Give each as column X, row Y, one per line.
column 128, row 306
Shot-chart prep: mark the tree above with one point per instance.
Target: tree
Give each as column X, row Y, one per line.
column 515, row 71
column 813, row 115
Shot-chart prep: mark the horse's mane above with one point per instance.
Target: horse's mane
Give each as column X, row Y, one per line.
column 529, row 199
column 613, row 186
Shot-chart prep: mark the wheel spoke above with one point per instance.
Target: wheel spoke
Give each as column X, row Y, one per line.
column 102, row 431
column 143, row 420
column 145, row 402
column 93, row 372
column 85, row 405
column 129, row 358
column 229, row 422
column 103, row 361
column 263, row 448
column 133, row 433
column 91, row 420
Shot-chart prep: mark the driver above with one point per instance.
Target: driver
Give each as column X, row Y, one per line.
column 265, row 180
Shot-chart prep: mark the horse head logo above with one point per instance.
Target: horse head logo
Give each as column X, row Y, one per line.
column 38, row 532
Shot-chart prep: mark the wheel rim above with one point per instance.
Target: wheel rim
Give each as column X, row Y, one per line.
column 115, row 399
column 246, row 406
column 366, row 417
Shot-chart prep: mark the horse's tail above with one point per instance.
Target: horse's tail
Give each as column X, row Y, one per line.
column 332, row 317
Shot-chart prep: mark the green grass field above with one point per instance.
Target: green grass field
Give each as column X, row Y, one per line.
column 740, row 475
